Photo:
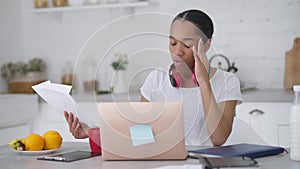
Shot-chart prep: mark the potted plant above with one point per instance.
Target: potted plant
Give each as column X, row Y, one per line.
column 21, row 76
column 120, row 61
column 119, row 64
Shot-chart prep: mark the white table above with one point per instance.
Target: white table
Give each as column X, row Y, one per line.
column 13, row 160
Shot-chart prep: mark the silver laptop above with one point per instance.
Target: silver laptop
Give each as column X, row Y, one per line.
column 142, row 131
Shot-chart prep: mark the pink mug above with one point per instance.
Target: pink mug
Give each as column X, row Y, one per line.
column 94, row 139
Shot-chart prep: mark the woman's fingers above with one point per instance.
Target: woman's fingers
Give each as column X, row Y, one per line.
column 200, row 50
column 74, row 124
column 66, row 116
column 199, row 54
column 72, row 121
column 77, row 128
column 196, row 56
column 69, row 119
column 201, row 47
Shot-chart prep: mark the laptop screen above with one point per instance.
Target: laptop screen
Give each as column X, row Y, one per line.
column 142, row 130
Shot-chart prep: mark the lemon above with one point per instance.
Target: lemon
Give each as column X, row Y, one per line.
column 34, row 142
column 53, row 140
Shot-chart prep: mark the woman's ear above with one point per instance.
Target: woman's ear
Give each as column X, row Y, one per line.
column 207, row 45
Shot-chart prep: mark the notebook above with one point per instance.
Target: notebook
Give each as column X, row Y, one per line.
column 247, row 150
column 142, row 131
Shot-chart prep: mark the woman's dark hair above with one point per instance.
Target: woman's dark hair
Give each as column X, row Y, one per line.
column 200, row 19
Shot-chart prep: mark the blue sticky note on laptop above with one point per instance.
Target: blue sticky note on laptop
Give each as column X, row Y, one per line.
column 141, row 134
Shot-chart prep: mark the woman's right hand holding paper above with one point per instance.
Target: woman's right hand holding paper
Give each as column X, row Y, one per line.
column 78, row 129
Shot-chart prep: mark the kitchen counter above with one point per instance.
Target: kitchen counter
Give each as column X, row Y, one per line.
column 133, row 96
column 14, row 160
column 11, row 159
column 250, row 95
column 268, row 95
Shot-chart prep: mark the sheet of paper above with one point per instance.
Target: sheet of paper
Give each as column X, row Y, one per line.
column 58, row 96
column 141, row 134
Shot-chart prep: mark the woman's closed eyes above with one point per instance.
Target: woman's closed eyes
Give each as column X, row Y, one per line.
column 173, row 42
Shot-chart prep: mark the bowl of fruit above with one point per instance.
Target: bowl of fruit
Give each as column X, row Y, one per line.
column 35, row 144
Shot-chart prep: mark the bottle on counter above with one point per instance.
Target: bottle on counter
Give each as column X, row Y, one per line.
column 67, row 77
column 90, row 84
column 295, row 126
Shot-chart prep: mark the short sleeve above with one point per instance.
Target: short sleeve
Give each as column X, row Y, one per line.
column 231, row 89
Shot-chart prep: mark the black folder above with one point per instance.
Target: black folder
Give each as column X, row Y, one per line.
column 70, row 156
column 244, row 150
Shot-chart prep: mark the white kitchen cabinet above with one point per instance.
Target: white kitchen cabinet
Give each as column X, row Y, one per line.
column 269, row 119
column 17, row 114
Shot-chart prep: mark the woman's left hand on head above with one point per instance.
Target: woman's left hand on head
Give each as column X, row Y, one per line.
column 201, row 62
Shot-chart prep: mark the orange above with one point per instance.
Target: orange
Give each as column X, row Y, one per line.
column 34, row 142
column 53, row 140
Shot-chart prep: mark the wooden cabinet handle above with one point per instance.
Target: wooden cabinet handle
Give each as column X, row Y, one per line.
column 256, row 111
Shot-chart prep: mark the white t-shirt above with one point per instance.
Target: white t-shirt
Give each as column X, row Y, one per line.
column 225, row 86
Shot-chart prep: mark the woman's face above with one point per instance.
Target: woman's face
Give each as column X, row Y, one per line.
column 183, row 36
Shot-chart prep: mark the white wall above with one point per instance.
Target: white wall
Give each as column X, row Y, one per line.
column 11, row 33
column 254, row 34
